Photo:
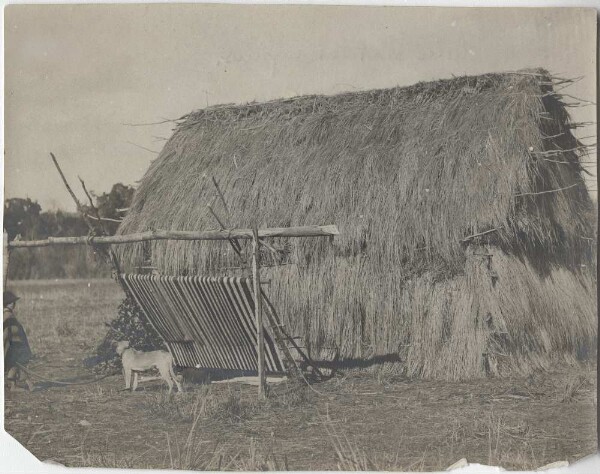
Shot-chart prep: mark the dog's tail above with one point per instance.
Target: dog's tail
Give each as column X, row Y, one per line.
column 172, row 367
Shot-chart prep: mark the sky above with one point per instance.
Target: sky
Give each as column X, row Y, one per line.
column 80, row 80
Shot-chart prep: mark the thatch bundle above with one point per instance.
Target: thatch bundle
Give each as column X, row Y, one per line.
column 410, row 176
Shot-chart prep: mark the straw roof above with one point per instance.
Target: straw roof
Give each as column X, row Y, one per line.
column 408, row 175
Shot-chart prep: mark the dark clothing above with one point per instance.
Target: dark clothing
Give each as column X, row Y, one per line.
column 16, row 345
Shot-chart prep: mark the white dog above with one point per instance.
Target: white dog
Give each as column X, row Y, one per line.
column 137, row 361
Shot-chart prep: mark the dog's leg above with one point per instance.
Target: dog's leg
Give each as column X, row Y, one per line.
column 135, row 381
column 172, row 374
column 164, row 373
column 127, row 372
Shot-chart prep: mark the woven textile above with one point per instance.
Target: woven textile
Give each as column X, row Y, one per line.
column 206, row 321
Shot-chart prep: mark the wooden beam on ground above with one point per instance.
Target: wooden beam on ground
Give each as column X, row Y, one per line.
column 302, row 231
column 260, row 336
column 250, row 380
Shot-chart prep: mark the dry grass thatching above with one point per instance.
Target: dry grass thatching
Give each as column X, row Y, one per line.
column 407, row 174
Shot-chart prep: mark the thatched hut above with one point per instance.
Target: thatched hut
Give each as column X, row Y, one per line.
column 465, row 222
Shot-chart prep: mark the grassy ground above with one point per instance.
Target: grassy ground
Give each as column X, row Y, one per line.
column 354, row 421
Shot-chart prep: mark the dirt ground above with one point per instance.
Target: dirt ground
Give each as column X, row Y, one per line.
column 353, row 421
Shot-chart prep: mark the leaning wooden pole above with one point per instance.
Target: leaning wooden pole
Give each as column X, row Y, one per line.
column 78, row 204
column 107, row 252
column 260, row 337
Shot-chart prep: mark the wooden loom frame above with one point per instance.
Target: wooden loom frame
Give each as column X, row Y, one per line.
column 255, row 234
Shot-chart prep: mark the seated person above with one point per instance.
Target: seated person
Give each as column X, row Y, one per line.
column 17, row 352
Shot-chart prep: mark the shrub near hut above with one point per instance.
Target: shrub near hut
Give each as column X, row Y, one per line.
column 461, row 206
column 129, row 325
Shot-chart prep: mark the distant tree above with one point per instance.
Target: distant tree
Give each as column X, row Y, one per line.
column 119, row 197
column 21, row 217
column 24, row 217
column 61, row 224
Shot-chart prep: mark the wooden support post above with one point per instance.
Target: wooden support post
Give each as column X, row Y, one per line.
column 260, row 340
column 5, row 257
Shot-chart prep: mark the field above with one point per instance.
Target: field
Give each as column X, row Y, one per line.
column 353, row 421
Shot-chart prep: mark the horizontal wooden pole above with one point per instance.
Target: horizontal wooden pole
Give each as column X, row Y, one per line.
column 303, row 231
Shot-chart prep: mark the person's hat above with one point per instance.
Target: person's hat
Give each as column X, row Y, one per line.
column 9, row 297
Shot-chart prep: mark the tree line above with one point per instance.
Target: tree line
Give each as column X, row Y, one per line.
column 25, row 219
